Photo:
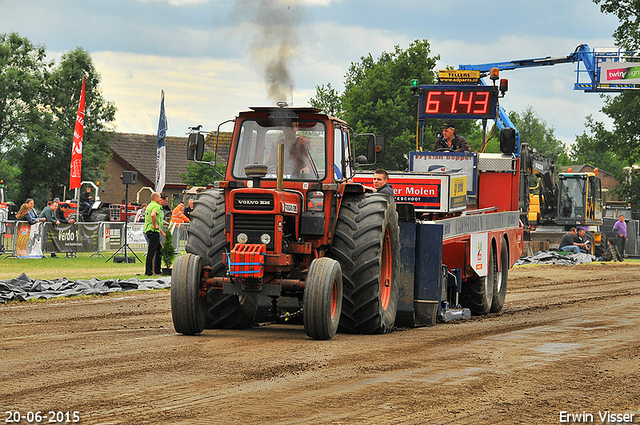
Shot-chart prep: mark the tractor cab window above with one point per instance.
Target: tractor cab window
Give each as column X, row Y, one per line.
column 341, row 164
column 304, row 149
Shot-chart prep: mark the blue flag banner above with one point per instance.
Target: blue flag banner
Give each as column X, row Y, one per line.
column 161, row 154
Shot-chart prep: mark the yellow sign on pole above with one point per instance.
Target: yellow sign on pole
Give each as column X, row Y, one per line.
column 458, row 76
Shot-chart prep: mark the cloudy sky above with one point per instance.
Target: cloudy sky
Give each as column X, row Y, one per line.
column 214, row 58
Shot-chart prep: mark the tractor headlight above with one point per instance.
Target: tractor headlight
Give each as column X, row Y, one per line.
column 265, row 238
column 242, row 238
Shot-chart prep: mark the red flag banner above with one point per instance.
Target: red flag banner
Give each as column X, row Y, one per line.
column 76, row 153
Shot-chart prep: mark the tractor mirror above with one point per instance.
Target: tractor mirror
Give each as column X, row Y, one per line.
column 375, row 148
column 195, row 146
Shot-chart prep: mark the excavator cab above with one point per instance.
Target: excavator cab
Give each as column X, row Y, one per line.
column 579, row 199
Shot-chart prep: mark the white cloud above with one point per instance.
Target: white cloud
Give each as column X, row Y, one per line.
column 197, row 90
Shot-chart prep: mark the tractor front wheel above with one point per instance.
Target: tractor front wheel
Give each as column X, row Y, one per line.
column 207, row 239
column 187, row 305
column 322, row 299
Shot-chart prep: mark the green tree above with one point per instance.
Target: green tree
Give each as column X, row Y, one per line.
column 534, row 131
column 627, row 35
column 200, row 174
column 377, row 99
column 23, row 72
column 328, row 100
column 45, row 162
column 593, row 149
column 624, row 140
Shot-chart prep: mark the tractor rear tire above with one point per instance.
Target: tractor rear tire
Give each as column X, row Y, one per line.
column 100, row 214
column 367, row 246
column 187, row 305
column 500, row 286
column 322, row 299
column 477, row 293
column 206, row 238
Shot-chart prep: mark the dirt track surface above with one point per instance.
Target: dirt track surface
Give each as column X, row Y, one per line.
column 567, row 341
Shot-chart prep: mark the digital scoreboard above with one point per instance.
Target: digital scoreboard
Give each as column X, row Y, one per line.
column 458, row 102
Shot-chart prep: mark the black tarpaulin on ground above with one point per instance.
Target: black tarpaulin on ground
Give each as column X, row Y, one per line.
column 554, row 257
column 24, row 288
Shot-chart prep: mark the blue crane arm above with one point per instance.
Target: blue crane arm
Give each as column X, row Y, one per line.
column 591, row 61
column 582, row 52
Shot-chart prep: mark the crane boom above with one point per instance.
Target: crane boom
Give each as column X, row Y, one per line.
column 593, row 62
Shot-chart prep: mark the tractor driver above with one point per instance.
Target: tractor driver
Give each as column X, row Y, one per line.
column 450, row 141
column 296, row 151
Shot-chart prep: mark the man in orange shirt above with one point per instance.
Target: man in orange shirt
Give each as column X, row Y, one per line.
column 178, row 216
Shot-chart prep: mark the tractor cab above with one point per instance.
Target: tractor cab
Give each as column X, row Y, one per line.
column 579, row 199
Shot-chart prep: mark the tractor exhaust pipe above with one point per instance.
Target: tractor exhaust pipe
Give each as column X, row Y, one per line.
column 280, row 168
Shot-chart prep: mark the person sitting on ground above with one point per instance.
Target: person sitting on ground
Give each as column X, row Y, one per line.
column 582, row 241
column 568, row 240
column 611, row 252
column 450, row 141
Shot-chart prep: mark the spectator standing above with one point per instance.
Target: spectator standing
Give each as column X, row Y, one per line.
column 178, row 216
column 189, row 208
column 49, row 214
column 620, row 229
column 22, row 212
column 153, row 220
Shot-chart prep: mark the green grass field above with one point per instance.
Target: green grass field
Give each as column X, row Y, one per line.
column 82, row 267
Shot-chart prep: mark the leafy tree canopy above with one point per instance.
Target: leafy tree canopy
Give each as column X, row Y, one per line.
column 534, row 131
column 200, row 174
column 627, row 35
column 622, row 145
column 377, row 99
column 38, row 107
column 23, row 72
column 594, row 149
